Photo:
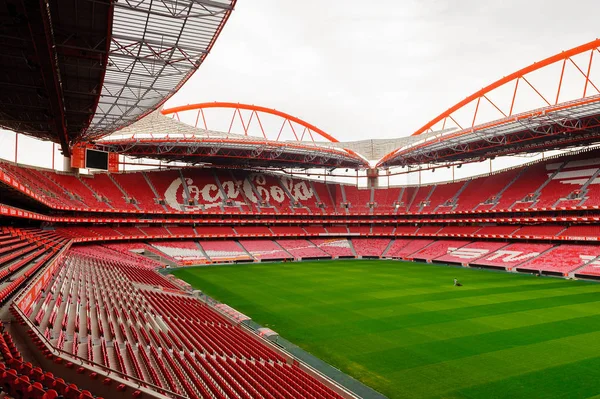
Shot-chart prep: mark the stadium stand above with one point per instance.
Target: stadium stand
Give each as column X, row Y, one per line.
column 265, row 250
column 224, row 251
column 315, row 229
column 336, row 247
column 358, row 199
column 542, row 231
column 103, row 185
column 443, row 197
column 186, row 231
column 438, row 249
column 558, row 183
column 337, row 229
column 77, row 189
column 496, row 231
column 131, row 231
column 403, row 249
column 302, row 249
column 561, row 259
column 181, row 251
column 141, row 333
column 370, row 247
column 586, row 232
column 382, row 230
column 292, row 231
column 386, row 199
column 571, row 178
column 138, row 187
column 471, row 252
column 459, row 231
column 513, row 255
column 419, row 199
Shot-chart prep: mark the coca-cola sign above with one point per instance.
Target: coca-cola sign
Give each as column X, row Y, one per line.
column 209, row 195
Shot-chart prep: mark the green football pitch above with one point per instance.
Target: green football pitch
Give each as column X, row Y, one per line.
column 406, row 331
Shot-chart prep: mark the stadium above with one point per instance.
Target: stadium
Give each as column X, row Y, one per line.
column 223, row 250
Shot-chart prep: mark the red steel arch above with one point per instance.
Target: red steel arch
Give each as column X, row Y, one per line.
column 255, row 112
column 522, row 76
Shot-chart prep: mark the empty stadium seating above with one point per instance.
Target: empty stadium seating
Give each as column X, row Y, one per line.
column 335, row 247
column 358, row 199
column 476, row 193
column 562, row 259
column 404, row 249
column 302, row 249
column 438, row 249
column 558, row 183
column 370, row 247
column 587, row 232
column 73, row 185
column 386, row 199
column 265, row 249
column 138, row 188
column 512, row 255
column 181, row 251
column 219, row 251
column 442, row 196
column 471, row 252
column 93, row 310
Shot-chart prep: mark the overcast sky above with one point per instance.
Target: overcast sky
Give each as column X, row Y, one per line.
column 384, row 68
column 379, row 69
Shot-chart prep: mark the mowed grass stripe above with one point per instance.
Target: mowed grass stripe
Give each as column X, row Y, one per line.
column 403, row 329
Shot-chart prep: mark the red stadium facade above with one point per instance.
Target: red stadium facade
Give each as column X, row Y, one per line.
column 79, row 253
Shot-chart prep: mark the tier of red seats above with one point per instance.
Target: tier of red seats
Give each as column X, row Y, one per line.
column 181, row 251
column 418, row 200
column 265, row 249
column 370, row 247
column 480, row 191
column 75, row 186
column 386, row 199
column 182, row 230
column 585, row 231
column 358, row 199
column 525, row 184
column 302, row 249
column 471, row 252
column 405, row 248
column 513, row 255
column 497, row 230
column 129, row 231
column 539, row 231
column 136, row 186
column 562, row 258
column 438, row 249
column 223, row 250
column 168, row 340
column 287, row 230
column 442, row 195
column 543, row 185
column 335, row 247
column 102, row 185
column 21, row 379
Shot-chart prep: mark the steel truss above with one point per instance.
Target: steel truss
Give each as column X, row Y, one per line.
column 535, row 136
column 244, row 152
column 156, row 45
column 539, row 125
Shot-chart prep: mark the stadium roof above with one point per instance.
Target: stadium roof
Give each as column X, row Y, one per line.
column 164, row 138
column 80, row 69
column 569, row 125
column 555, row 124
column 375, row 149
